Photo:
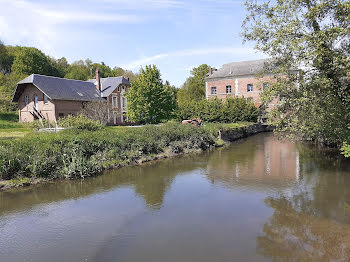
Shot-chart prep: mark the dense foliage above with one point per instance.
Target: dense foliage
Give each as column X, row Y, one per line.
column 149, row 100
column 194, row 87
column 314, row 35
column 80, row 122
column 215, row 110
column 77, row 154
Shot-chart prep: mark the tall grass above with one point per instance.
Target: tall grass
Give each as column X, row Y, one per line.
column 78, row 154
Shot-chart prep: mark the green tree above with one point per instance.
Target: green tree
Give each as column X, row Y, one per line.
column 61, row 65
column 30, row 60
column 194, row 87
column 5, row 59
column 149, row 100
column 314, row 34
column 105, row 71
column 79, row 70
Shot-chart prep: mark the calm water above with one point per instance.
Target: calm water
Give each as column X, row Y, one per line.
column 260, row 199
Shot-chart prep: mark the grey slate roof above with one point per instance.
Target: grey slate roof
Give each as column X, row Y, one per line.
column 60, row 88
column 109, row 84
column 252, row 67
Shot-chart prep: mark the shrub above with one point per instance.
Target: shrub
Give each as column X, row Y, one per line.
column 215, row 110
column 79, row 122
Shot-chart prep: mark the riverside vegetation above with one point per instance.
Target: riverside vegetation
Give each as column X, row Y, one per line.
column 80, row 153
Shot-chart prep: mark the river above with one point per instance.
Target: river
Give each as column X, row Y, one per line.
column 259, row 199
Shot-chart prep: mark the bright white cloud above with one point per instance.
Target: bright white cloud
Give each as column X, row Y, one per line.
column 189, row 52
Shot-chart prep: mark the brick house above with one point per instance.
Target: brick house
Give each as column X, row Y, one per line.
column 50, row 98
column 238, row 79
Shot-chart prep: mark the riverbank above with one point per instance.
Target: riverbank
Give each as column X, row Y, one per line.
column 75, row 155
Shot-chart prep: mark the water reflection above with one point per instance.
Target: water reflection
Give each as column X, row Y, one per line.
column 312, row 223
column 261, row 162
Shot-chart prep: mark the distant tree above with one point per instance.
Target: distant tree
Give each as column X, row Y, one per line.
column 30, row 60
column 79, row 70
column 149, row 100
column 192, row 91
column 5, row 60
column 61, row 65
column 105, row 71
column 8, row 84
column 118, row 71
column 314, row 34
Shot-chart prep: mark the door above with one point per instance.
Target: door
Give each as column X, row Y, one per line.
column 36, row 102
column 114, row 118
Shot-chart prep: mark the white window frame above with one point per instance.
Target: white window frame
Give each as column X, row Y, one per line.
column 114, row 101
column 213, row 90
column 124, row 105
column 228, row 89
column 250, row 89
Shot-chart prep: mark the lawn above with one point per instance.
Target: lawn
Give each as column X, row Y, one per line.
column 10, row 127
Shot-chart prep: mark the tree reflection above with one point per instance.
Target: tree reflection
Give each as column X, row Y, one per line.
column 312, row 221
column 294, row 235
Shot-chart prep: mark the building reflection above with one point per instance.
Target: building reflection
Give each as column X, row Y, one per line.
column 265, row 160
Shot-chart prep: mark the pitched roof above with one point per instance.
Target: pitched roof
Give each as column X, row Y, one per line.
column 60, row 88
column 252, row 67
column 109, row 84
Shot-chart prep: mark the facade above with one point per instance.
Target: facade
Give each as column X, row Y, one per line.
column 50, row 98
column 238, row 79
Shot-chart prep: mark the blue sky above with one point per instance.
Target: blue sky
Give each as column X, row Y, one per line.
column 175, row 35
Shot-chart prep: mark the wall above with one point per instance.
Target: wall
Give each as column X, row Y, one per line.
column 66, row 107
column 238, row 87
column 48, row 110
column 118, row 92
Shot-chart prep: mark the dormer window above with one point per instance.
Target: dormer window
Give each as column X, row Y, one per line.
column 80, row 94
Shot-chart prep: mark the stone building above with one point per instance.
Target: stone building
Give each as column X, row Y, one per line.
column 49, row 98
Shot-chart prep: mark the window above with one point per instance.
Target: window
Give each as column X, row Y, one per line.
column 26, row 100
column 123, row 102
column 114, row 101
column 46, row 99
column 266, row 86
column 213, row 90
column 250, row 87
column 118, row 88
column 228, row 89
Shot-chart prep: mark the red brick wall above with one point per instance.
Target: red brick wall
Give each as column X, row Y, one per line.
column 118, row 109
column 242, row 82
column 48, row 110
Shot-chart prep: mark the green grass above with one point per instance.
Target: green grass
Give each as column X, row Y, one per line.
column 9, row 120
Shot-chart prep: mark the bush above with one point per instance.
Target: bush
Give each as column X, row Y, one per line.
column 215, row 110
column 79, row 122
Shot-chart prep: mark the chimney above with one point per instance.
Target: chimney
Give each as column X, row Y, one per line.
column 98, row 80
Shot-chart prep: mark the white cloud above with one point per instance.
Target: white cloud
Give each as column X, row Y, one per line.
column 47, row 25
column 188, row 52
